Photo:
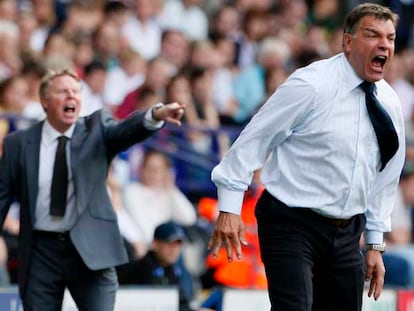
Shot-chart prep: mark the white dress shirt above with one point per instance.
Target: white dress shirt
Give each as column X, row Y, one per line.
column 43, row 220
column 318, row 148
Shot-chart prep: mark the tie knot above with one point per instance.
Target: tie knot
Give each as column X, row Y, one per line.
column 368, row 87
column 62, row 139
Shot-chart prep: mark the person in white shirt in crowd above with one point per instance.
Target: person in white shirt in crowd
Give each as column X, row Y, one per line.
column 123, row 79
column 142, row 30
column 155, row 199
column 186, row 16
column 93, row 86
column 33, row 72
column 396, row 77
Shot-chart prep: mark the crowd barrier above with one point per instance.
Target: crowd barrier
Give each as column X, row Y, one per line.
column 127, row 299
column 166, row 299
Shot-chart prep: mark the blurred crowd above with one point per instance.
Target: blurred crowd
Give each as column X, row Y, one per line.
column 223, row 59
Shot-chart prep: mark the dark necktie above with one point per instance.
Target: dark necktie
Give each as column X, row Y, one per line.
column 384, row 129
column 59, row 188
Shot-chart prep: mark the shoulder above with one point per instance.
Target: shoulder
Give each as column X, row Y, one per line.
column 384, row 88
column 323, row 78
column 389, row 98
column 321, row 73
column 24, row 134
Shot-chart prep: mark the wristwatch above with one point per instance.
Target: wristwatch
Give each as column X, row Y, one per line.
column 376, row 247
column 155, row 108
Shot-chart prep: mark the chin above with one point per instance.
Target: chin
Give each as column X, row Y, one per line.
column 374, row 77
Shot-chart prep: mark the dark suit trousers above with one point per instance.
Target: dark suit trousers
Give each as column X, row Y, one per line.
column 55, row 265
column 312, row 262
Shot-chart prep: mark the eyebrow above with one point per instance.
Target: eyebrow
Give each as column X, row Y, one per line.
column 393, row 34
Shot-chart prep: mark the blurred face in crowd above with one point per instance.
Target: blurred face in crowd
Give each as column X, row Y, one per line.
column 175, row 48
column 145, row 9
column 227, row 21
column 107, row 39
column 8, row 10
column 370, row 48
column 96, row 80
column 13, row 94
column 58, row 45
column 179, row 90
column 155, row 170
column 158, row 74
column 167, row 252
column 62, row 101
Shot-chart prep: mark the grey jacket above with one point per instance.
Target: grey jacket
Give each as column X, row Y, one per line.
column 95, row 142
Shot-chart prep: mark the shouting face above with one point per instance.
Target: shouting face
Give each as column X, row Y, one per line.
column 62, row 102
column 370, row 47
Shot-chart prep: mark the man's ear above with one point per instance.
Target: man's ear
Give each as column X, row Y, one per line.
column 43, row 103
column 346, row 42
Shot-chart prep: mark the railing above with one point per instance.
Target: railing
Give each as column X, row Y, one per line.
column 192, row 166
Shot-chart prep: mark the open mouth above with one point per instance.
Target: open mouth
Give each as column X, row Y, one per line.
column 69, row 108
column 379, row 61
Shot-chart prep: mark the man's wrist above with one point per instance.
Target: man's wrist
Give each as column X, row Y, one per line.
column 154, row 109
column 376, row 247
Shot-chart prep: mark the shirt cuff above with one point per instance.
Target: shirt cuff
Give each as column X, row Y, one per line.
column 230, row 201
column 150, row 123
column 373, row 237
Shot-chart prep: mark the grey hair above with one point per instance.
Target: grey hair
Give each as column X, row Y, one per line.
column 50, row 75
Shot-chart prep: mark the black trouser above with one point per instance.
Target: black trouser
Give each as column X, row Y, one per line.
column 55, row 265
column 312, row 262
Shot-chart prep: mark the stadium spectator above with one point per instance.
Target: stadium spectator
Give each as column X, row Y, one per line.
column 226, row 22
column 159, row 72
column 93, row 86
column 175, row 47
column 249, row 85
column 82, row 16
column 162, row 265
column 10, row 62
column 108, row 44
column 142, row 31
column 32, row 73
column 46, row 19
column 13, row 100
column 255, row 28
column 186, row 16
column 396, row 77
column 116, row 12
column 83, row 51
column 124, row 78
column 58, row 49
column 155, row 199
column 324, row 13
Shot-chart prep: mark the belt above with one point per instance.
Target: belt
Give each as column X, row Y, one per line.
column 339, row 222
column 308, row 212
column 333, row 221
column 62, row 236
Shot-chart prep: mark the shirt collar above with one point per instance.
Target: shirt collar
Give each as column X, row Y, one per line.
column 351, row 79
column 49, row 133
